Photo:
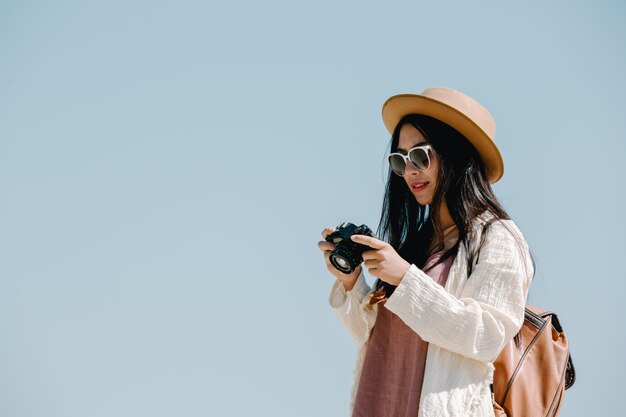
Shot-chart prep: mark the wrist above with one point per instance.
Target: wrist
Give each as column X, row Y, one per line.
column 349, row 281
column 404, row 270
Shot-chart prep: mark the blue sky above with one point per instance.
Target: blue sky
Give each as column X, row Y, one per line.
column 166, row 169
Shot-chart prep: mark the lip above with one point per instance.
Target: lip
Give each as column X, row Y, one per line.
column 417, row 186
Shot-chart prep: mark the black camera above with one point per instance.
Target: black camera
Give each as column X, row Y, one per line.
column 347, row 254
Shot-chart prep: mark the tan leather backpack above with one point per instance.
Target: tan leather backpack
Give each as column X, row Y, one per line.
column 534, row 369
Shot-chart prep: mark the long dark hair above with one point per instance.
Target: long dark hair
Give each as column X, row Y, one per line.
column 409, row 226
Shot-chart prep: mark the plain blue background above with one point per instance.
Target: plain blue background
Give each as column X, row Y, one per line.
column 166, row 169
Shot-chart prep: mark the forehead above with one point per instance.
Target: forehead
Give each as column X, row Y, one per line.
column 410, row 137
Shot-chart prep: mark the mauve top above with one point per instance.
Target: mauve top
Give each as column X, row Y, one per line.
column 393, row 368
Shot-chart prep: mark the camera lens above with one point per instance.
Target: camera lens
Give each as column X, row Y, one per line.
column 342, row 263
column 344, row 259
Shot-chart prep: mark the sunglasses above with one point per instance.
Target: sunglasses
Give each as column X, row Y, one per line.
column 418, row 156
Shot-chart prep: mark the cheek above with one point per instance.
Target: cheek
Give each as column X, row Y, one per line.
column 433, row 172
column 434, row 166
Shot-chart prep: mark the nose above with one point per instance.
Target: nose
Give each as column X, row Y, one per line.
column 410, row 169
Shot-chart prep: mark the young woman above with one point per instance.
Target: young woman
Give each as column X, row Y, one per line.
column 452, row 268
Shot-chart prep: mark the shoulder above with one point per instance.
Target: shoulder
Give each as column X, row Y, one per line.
column 500, row 241
column 500, row 237
column 495, row 228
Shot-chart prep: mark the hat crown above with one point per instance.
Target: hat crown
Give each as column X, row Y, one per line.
column 464, row 104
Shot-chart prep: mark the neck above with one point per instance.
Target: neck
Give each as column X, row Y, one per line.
column 444, row 220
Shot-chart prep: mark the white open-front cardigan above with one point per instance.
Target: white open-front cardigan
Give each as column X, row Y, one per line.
column 467, row 323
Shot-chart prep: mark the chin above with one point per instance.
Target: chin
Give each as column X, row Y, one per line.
column 424, row 201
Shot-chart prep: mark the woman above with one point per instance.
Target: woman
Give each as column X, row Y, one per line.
column 452, row 280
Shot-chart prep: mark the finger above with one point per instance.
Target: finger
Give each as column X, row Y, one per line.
column 372, row 242
column 327, row 231
column 371, row 254
column 329, row 264
column 371, row 264
column 325, row 246
column 373, row 271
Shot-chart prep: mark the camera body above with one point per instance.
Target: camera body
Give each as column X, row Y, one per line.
column 347, row 254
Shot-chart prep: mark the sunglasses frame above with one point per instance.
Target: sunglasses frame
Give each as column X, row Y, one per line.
column 427, row 148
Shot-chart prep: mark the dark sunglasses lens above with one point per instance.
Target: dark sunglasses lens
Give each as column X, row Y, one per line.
column 419, row 157
column 397, row 164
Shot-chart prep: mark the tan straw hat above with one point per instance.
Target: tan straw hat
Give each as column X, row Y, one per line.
column 456, row 109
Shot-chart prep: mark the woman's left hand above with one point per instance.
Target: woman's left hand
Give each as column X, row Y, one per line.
column 382, row 261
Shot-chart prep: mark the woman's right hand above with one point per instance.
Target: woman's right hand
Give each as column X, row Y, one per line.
column 327, row 247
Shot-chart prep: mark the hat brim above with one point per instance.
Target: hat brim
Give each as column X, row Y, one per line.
column 396, row 107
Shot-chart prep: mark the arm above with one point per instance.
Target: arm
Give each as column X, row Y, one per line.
column 353, row 309
column 349, row 296
column 490, row 308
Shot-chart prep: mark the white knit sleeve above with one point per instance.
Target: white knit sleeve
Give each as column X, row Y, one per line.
column 353, row 309
column 487, row 313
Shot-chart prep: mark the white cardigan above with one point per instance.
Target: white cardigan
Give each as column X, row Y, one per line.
column 467, row 323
